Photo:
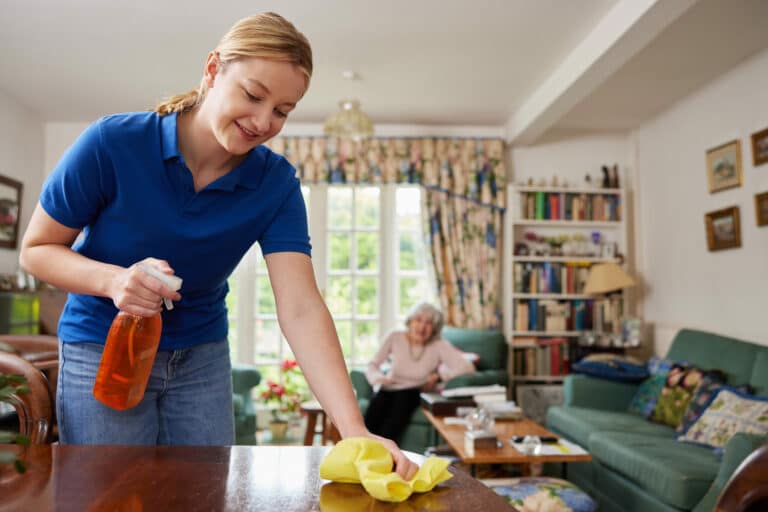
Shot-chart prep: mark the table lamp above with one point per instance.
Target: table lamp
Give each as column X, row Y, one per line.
column 606, row 278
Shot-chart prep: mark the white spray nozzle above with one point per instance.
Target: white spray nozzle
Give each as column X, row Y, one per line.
column 172, row 282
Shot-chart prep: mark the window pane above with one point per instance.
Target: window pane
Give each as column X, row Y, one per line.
column 232, row 338
column 366, row 341
column 367, row 300
column 269, row 372
column 344, row 328
column 367, row 251
column 287, row 352
column 305, row 195
column 339, row 295
column 265, row 298
column 408, row 206
column 231, row 299
column 412, row 291
column 411, row 251
column 339, row 249
column 268, row 338
column 339, row 207
column 367, row 207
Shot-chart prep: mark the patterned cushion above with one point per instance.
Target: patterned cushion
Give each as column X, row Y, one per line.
column 647, row 394
column 676, row 395
column 612, row 367
column 710, row 383
column 542, row 494
column 657, row 365
column 728, row 413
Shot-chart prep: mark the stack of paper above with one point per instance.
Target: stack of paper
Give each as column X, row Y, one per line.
column 562, row 447
column 474, row 390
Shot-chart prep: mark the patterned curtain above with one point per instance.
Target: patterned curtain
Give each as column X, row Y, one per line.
column 463, row 181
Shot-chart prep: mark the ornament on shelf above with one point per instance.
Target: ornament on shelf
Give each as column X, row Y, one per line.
column 606, row 177
column 615, row 176
column 555, row 181
column 588, row 180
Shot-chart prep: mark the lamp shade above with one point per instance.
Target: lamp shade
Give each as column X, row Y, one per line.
column 607, row 277
column 349, row 122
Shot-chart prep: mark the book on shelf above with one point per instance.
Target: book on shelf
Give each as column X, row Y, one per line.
column 551, row 277
column 546, row 357
column 549, row 315
column 576, row 206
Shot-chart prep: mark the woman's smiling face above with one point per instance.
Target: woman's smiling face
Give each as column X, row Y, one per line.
column 248, row 100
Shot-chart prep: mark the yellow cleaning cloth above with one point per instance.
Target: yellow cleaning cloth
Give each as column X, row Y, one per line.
column 365, row 461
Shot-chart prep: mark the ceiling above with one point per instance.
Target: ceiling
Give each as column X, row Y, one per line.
column 532, row 67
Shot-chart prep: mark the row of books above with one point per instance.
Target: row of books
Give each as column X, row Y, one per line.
column 549, row 277
column 540, row 357
column 570, row 206
column 551, row 315
column 608, row 313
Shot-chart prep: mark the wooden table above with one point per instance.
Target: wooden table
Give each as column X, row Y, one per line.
column 191, row 478
column 505, row 430
column 314, row 410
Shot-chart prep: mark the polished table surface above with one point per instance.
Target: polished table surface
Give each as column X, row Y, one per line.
column 237, row 478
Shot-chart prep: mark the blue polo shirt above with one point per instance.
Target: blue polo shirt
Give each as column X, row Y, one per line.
column 125, row 183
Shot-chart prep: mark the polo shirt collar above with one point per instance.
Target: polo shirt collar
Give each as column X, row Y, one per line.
column 244, row 175
column 168, row 139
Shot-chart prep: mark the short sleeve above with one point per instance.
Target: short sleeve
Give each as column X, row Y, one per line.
column 81, row 184
column 288, row 231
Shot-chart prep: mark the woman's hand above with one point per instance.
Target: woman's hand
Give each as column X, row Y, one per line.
column 403, row 465
column 432, row 381
column 136, row 292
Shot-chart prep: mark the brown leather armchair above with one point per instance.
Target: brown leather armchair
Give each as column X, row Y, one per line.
column 35, row 407
column 747, row 490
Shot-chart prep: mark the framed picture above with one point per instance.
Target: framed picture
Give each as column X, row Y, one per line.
column 10, row 207
column 761, row 208
column 723, row 229
column 760, row 147
column 724, row 166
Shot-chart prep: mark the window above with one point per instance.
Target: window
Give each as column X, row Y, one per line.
column 370, row 260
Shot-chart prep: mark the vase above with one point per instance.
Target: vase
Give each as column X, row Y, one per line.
column 279, row 429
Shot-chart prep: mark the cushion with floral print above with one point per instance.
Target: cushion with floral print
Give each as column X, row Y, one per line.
column 676, row 395
column 710, row 384
column 728, row 413
column 542, row 494
column 647, row 394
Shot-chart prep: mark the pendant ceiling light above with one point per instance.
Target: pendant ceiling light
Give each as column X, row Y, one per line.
column 349, row 122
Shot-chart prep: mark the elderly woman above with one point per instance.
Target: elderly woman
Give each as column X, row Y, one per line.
column 418, row 359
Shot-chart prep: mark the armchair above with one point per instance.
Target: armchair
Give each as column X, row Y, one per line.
column 244, row 379
column 490, row 345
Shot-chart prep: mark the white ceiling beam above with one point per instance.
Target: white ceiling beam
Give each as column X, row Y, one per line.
column 626, row 29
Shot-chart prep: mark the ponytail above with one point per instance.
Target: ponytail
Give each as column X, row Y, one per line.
column 178, row 103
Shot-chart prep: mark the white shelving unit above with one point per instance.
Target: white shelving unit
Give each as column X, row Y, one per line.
column 515, row 227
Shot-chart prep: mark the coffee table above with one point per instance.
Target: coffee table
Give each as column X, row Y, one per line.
column 506, row 454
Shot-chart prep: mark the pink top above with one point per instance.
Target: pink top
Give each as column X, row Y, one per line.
column 410, row 368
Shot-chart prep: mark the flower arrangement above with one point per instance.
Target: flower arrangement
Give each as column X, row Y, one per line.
column 288, row 395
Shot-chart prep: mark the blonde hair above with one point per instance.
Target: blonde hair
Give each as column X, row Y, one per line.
column 267, row 36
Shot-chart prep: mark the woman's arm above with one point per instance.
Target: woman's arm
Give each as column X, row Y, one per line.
column 46, row 253
column 452, row 361
column 308, row 326
column 373, row 373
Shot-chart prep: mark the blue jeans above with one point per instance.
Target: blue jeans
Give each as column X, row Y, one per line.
column 188, row 400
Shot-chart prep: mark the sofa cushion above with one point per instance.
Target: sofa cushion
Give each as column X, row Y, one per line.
column 647, row 394
column 728, row 413
column 702, row 397
column 611, row 367
column 578, row 423
column 677, row 394
column 678, row 474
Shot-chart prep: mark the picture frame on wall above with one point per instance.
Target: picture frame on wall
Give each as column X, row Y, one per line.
column 760, row 147
column 761, row 208
column 724, row 166
column 723, row 229
column 10, row 209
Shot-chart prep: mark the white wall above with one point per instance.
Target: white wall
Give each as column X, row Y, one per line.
column 21, row 158
column 686, row 285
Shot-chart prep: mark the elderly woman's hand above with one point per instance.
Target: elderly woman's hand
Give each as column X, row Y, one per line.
column 431, row 382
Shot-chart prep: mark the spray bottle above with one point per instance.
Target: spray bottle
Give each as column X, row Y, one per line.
column 129, row 352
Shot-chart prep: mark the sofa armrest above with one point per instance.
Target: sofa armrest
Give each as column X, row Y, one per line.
column 585, row 391
column 363, row 389
column 736, row 450
column 480, row 378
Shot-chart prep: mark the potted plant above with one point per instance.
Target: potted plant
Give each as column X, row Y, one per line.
column 285, row 397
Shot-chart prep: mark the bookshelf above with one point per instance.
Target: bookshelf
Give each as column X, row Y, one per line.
column 555, row 235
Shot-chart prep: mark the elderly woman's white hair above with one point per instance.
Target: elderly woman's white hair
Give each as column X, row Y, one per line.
column 434, row 314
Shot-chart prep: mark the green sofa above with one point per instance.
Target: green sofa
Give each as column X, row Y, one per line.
column 638, row 465
column 490, row 345
column 244, row 379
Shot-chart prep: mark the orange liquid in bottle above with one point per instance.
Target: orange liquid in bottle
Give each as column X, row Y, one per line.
column 127, row 360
